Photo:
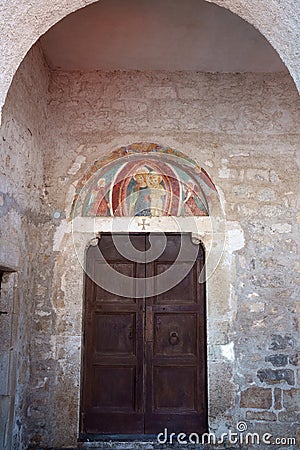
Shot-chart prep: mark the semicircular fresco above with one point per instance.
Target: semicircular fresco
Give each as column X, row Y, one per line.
column 144, row 180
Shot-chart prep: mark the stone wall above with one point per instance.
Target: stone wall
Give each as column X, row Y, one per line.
column 21, row 197
column 243, row 129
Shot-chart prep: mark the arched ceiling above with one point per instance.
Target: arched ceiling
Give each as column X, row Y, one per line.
column 158, row 35
column 22, row 22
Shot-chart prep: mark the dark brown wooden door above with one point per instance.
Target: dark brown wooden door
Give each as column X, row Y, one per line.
column 144, row 359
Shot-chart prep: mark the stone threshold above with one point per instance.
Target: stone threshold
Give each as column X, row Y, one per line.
column 143, row 445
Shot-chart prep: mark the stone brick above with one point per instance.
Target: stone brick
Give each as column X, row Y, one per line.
column 269, row 280
column 291, row 399
column 281, row 228
column 277, row 398
column 267, row 195
column 281, row 342
column 298, row 437
column 160, row 92
column 261, row 415
column 277, row 360
column 243, row 191
column 256, row 397
column 295, row 359
column 288, row 416
column 258, row 175
column 271, row 376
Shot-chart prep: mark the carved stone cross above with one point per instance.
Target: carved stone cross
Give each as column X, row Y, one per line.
column 144, row 224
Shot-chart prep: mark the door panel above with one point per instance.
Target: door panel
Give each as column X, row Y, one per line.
column 175, row 367
column 186, row 286
column 125, row 268
column 114, row 390
column 112, row 395
column 166, row 398
column 175, row 334
column 145, row 358
column 114, row 333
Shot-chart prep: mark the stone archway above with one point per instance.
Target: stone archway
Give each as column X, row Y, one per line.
column 29, row 20
column 65, row 346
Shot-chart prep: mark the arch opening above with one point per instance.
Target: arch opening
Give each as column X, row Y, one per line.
column 238, row 126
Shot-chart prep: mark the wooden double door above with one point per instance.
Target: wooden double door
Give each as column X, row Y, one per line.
column 144, row 357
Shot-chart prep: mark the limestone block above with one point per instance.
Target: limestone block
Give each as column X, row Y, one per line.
column 291, row 399
column 261, row 415
column 277, row 398
column 289, row 416
column 160, row 92
column 280, row 342
column 295, row 359
column 256, row 397
column 271, row 376
column 279, row 360
column 267, row 195
column 222, row 387
column 218, row 332
column 258, row 175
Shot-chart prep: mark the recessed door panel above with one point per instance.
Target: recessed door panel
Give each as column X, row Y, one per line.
column 113, row 389
column 179, row 279
column 174, row 388
column 115, row 334
column 126, row 269
column 175, row 334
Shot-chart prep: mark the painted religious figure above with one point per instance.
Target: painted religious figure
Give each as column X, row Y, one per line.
column 138, row 194
column 157, row 193
column 155, row 185
column 192, row 205
column 97, row 202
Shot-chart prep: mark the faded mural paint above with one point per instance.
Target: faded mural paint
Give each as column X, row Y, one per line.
column 144, row 179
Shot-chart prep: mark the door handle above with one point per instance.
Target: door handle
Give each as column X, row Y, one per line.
column 173, row 338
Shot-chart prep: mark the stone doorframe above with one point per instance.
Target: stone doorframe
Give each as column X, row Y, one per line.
column 221, row 304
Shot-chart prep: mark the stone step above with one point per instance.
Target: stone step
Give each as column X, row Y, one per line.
column 142, row 445
column 129, row 445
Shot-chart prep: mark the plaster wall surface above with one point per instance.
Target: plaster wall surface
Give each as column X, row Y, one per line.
column 23, row 22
